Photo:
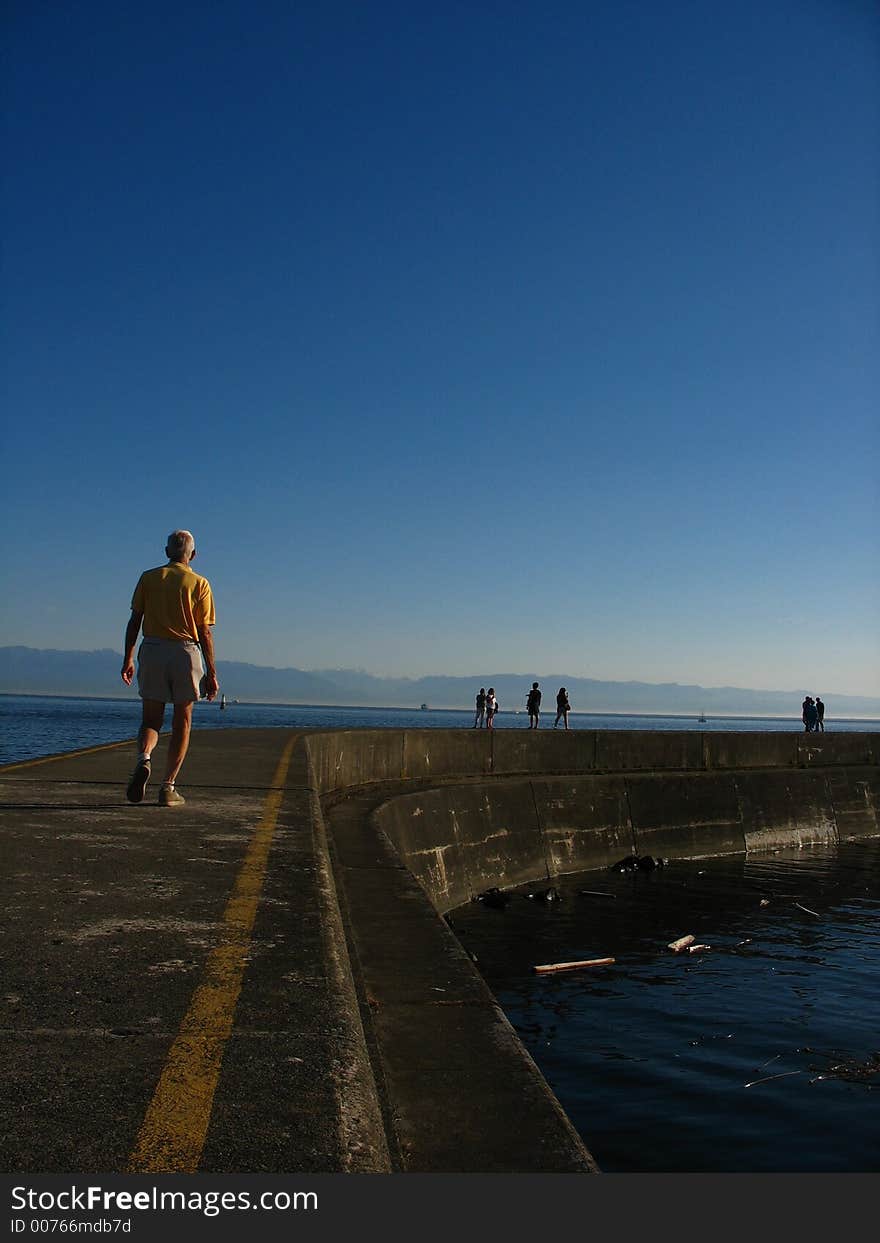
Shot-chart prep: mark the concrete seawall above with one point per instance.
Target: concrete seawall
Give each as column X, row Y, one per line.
column 676, row 794
column 288, row 916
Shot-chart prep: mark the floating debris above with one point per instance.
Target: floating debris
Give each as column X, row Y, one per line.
column 545, row 895
column 851, row 1070
column 570, row 966
column 633, row 863
column 596, row 893
column 494, row 897
column 767, row 1078
column 774, row 1058
column 764, row 902
column 681, row 944
column 807, row 909
column 698, row 949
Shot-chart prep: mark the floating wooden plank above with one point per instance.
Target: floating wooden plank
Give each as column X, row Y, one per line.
column 570, row 966
column 697, row 949
column 681, row 944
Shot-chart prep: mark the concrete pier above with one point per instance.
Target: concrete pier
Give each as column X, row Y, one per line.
column 261, row 980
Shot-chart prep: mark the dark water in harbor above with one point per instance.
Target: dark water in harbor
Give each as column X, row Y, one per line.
column 36, row 725
column 761, row 1054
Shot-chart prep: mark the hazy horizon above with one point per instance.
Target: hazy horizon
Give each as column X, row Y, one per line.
column 550, row 681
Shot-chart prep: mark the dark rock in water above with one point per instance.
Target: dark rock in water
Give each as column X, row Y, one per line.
column 545, row 895
column 629, row 864
column 493, row 897
column 644, row 863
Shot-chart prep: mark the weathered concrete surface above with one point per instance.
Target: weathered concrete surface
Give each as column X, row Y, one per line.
column 342, row 1053
column 110, row 912
column 793, row 811
column 460, row 1092
column 459, row 840
column 543, row 750
column 685, row 816
column 585, row 823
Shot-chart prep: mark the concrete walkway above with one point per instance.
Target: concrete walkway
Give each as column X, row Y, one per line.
column 197, row 988
column 175, row 948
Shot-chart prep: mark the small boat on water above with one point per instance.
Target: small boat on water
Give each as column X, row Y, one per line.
column 222, row 702
column 702, row 718
column 424, row 707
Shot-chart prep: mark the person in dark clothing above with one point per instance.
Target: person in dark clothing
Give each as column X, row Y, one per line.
column 533, row 705
column 563, row 707
column 480, row 718
column 811, row 716
column 820, row 715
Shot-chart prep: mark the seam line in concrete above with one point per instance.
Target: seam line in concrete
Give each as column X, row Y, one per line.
column 173, row 1132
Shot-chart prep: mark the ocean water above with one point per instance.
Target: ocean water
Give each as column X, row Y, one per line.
column 36, row 725
column 760, row 1054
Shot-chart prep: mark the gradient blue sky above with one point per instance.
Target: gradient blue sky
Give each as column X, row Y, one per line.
column 464, row 336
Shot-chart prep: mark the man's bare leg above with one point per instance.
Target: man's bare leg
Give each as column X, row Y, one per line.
column 153, row 713
column 151, row 725
column 181, row 725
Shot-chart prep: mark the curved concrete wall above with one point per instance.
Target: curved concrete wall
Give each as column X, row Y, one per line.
column 676, row 794
column 488, row 809
column 460, row 840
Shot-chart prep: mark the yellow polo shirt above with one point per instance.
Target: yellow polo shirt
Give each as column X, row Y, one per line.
column 175, row 602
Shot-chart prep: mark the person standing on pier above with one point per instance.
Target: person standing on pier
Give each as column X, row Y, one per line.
column 820, row 715
column 533, row 705
column 480, row 715
column 491, row 708
column 563, row 707
column 176, row 608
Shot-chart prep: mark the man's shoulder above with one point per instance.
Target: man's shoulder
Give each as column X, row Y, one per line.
column 195, row 580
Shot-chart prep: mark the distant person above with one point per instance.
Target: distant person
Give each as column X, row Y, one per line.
column 480, row 716
column 491, row 708
column 563, row 707
column 820, row 715
column 533, row 705
column 811, row 716
column 176, row 608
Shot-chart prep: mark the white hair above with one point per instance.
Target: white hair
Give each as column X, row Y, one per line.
column 180, row 544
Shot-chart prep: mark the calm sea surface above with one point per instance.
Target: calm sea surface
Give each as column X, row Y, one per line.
column 760, row 1054
column 35, row 725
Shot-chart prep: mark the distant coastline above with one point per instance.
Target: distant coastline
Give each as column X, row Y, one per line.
column 95, row 675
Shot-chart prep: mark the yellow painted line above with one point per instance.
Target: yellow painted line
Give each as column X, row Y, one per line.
column 173, row 1133
column 66, row 755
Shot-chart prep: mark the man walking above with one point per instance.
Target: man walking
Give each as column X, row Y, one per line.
column 176, row 608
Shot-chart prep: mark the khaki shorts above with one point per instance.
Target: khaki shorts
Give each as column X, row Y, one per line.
column 168, row 671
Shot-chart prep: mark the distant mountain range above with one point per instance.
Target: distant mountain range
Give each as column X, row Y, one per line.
column 27, row 670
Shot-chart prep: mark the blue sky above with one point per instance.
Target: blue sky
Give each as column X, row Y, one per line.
column 464, row 336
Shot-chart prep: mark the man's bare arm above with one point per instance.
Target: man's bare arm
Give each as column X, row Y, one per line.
column 206, row 641
column 131, row 636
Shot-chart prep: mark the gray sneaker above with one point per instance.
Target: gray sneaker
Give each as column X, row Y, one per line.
column 168, row 797
column 138, row 781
